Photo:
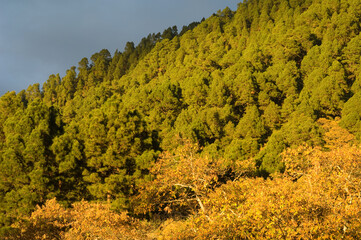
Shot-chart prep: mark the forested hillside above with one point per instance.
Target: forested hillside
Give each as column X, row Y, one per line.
column 246, row 123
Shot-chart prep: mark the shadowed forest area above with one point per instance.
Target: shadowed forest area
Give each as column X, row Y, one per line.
column 245, row 125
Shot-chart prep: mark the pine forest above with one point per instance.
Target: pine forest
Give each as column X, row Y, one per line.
column 244, row 125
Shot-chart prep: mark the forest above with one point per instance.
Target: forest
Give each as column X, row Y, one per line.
column 245, row 125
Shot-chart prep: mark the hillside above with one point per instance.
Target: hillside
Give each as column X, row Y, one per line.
column 180, row 126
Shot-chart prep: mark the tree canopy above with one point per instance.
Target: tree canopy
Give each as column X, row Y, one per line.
column 241, row 85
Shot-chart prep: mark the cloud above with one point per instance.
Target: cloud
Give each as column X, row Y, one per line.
column 41, row 37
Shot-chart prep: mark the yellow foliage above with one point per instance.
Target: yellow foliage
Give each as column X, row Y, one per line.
column 182, row 181
column 83, row 221
column 317, row 197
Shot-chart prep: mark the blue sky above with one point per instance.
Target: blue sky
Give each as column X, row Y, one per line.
column 43, row 37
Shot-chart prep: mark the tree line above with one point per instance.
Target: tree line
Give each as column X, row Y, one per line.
column 241, row 85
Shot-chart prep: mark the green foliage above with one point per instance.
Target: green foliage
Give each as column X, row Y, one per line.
column 299, row 129
column 243, row 85
column 351, row 115
column 27, row 163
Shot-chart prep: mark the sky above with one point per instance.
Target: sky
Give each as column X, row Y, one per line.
column 43, row 37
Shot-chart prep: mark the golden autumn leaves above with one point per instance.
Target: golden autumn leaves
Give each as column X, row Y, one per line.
column 318, row 196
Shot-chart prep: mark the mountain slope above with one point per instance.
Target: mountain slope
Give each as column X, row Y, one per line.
column 244, row 84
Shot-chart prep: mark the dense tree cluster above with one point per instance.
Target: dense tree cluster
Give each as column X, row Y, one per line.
column 243, row 86
column 316, row 197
